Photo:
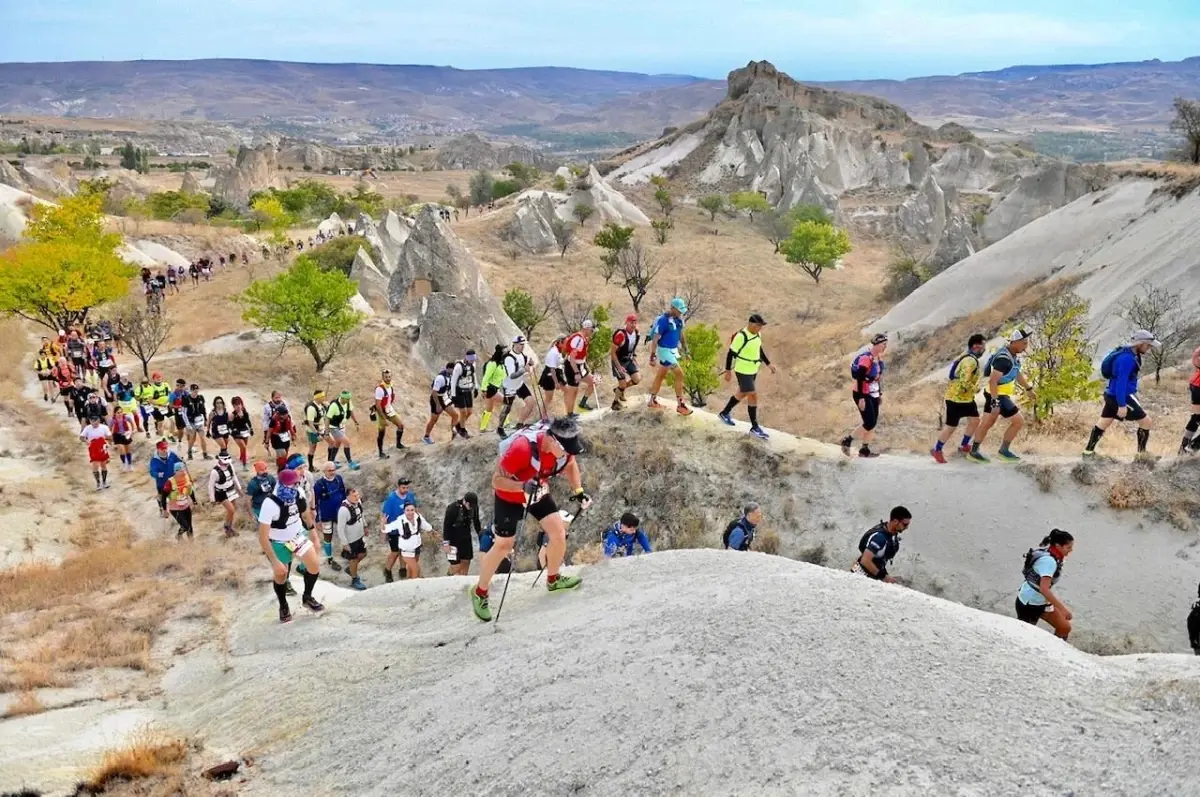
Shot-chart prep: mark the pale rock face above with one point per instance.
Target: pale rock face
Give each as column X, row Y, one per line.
column 532, row 226
column 460, row 312
column 393, row 231
column 190, row 184
column 254, row 170
column 610, row 204
column 10, row 176
column 332, row 225
column 161, row 254
column 1053, row 186
column 14, row 204
column 472, row 152
column 48, row 177
column 372, row 283
column 360, row 304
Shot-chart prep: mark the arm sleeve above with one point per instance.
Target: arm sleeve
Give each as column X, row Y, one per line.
column 762, row 356
column 212, row 486
column 424, row 525
column 643, row 541
column 475, row 519
column 455, row 375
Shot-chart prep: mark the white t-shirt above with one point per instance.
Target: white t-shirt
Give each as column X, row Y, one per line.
column 269, row 513
column 554, row 358
column 388, row 394
column 514, row 370
column 91, row 433
column 401, row 526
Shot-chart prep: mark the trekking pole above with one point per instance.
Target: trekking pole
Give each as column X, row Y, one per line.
column 539, row 401
column 512, row 564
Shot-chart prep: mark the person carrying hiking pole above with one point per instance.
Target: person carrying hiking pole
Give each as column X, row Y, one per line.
column 623, row 357
column 1120, row 367
column 745, row 357
column 521, row 482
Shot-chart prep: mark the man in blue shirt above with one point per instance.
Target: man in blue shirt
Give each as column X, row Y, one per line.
column 879, row 546
column 162, row 468
column 1121, row 367
column 623, row 535
column 740, row 533
column 666, row 341
column 389, row 516
column 329, row 492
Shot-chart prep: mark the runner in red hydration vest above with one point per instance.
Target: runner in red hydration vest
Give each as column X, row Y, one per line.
column 575, row 353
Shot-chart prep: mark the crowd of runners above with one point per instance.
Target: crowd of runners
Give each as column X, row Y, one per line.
column 301, row 510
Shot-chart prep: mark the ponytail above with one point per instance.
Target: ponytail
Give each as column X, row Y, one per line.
column 1057, row 537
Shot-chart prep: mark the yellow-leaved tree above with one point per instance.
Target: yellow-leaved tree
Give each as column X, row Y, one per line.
column 65, row 265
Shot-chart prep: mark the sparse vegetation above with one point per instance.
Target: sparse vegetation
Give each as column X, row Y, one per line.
column 1059, row 361
column 146, row 755
column 522, row 310
column 143, row 332
column 712, row 204
column 559, row 183
column 662, row 229
column 564, row 235
column 905, row 273
column 612, row 238
column 339, row 253
column 666, row 204
column 636, row 272
column 1187, row 124
column 703, row 344
column 815, row 247
column 480, row 188
column 582, row 212
column 1162, row 311
column 749, row 202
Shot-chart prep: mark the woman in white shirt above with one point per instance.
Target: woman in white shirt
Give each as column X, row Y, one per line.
column 404, row 535
column 553, row 377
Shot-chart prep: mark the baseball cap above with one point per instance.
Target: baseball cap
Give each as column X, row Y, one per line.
column 518, row 339
column 588, row 324
column 162, row 445
column 631, row 318
column 880, row 338
column 403, row 480
column 288, row 477
column 296, row 461
column 223, row 456
column 679, row 304
column 260, row 467
column 1145, row 336
column 755, row 318
column 1020, row 334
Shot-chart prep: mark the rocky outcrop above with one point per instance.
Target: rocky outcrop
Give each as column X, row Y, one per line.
column 1055, row 185
column 393, row 231
column 372, row 283
column 14, row 212
column 332, row 226
column 472, row 152
column 610, row 204
column 253, row 170
column 970, row 167
column 160, row 253
column 10, row 176
column 51, row 177
column 532, row 226
column 190, row 184
column 309, row 156
column 437, row 277
column 932, row 218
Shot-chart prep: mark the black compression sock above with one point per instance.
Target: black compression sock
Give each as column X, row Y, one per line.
column 1143, row 437
column 348, row 457
column 753, row 411
column 311, row 466
column 1097, row 433
column 96, row 474
column 281, row 594
column 104, row 476
column 333, row 454
column 379, row 442
column 729, row 405
column 310, row 581
column 399, row 437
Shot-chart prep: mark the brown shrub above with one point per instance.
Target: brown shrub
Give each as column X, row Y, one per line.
column 767, row 541
column 23, row 676
column 146, row 755
column 1130, row 491
column 25, row 704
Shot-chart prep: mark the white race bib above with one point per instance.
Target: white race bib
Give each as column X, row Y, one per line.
column 222, row 430
column 284, row 436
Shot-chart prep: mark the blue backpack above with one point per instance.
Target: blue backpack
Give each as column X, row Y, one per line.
column 1106, row 366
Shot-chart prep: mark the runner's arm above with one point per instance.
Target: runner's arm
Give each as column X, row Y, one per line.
column 643, row 541
column 610, row 544
column 455, row 375
column 1049, row 595
column 867, row 560
column 264, row 542
column 731, row 354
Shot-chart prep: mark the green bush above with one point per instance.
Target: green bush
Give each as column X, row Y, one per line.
column 165, row 205
column 703, row 345
column 339, row 253
column 503, row 188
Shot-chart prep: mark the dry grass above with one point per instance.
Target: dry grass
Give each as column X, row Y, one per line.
column 1131, row 490
column 26, row 703
column 146, row 755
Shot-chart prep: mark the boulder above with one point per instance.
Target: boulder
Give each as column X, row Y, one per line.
column 472, row 152
column 254, row 170
column 1055, row 185
column 932, row 219
column 610, row 204
column 10, row 176
column 14, row 212
column 437, row 276
column 357, row 302
column 532, row 226
column 51, row 177
column 372, row 283
column 332, row 225
column 393, row 231
column 190, row 184
column 365, row 226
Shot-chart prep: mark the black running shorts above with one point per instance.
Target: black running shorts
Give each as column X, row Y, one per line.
column 1029, row 614
column 869, row 411
column 574, row 374
column 358, row 548
column 1002, row 404
column 957, row 410
column 506, row 520
column 1195, row 394
column 464, row 399
column 630, row 366
column 436, row 407
column 546, row 381
column 491, row 391
column 1133, row 410
column 746, row 382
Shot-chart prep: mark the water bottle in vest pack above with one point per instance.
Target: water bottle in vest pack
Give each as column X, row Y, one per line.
column 1106, row 365
column 486, row 539
column 954, row 365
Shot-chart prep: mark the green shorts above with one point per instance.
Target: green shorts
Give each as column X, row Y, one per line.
column 284, row 550
column 313, row 438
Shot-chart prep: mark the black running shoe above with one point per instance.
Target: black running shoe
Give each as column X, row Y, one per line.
column 333, row 565
column 289, row 590
column 312, row 604
column 285, row 615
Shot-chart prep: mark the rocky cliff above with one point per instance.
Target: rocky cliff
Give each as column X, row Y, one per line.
column 532, row 226
column 254, row 170
column 472, row 152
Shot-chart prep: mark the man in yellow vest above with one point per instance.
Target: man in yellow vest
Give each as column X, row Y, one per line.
column 744, row 358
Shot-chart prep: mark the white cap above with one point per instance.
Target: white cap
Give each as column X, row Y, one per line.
column 1145, row 336
column 518, row 339
column 588, row 324
column 1019, row 334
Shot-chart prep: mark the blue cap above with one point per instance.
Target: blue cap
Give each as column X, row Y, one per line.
column 679, row 304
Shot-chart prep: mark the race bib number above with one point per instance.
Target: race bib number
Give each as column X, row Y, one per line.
column 296, row 543
column 390, row 412
column 222, row 430
column 245, row 435
column 285, row 436
column 452, row 553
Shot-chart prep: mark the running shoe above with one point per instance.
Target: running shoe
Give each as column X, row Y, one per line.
column 285, row 614
column 479, row 604
column 975, row 456
column 357, row 583
column 333, row 565
column 847, row 443
column 1089, row 454
column 654, row 404
column 683, row 409
column 1007, row 456
column 616, row 406
column 938, row 456
column 289, row 590
column 965, row 449
column 725, row 419
column 427, row 440
column 312, row 604
column 758, row 432
column 354, row 466
column 866, row 453
column 383, row 455
column 563, row 583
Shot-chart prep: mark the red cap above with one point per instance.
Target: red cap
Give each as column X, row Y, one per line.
column 162, row 444
column 289, row 477
column 631, row 319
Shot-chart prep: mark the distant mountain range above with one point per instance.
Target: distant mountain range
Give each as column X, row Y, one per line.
column 367, row 100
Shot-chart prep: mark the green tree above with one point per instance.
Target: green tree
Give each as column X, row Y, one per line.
column 520, row 307
column 564, row 235
column 166, row 205
column 503, row 188
column 776, row 225
column 750, row 202
column 601, row 343
column 905, row 273
column 612, row 238
column 269, row 214
column 454, row 192
column 559, row 183
column 524, row 174
column 1187, row 124
column 480, row 188
column 665, row 202
column 702, row 342
column 308, row 306
column 339, row 253
column 582, row 212
column 65, row 265
column 1059, row 361
column 713, row 203
column 662, row 228
column 815, row 247
column 134, row 159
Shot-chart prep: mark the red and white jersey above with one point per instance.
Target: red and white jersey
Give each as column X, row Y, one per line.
column 575, row 347
column 97, row 440
column 385, row 395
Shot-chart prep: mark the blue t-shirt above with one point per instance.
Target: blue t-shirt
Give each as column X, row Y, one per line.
column 1029, row 595
column 393, row 505
column 329, row 494
column 615, row 542
column 669, row 331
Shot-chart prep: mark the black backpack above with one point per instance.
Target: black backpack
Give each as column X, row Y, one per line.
column 1193, row 626
column 728, row 531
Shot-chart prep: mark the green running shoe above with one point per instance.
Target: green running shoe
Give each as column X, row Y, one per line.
column 1007, row 456
column 482, row 610
column 1089, row 454
column 975, row 456
column 564, row 582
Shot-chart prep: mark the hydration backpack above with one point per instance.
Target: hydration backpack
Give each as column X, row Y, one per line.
column 954, row 365
column 531, row 434
column 1106, row 365
column 1033, row 555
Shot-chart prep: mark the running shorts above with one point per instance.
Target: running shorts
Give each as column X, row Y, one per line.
column 547, row 382
column 869, row 411
column 667, row 357
column 455, row 554
column 100, row 456
column 195, row 425
column 522, row 393
column 393, row 539
column 629, row 365
column 746, row 382
column 338, row 434
column 1195, row 394
column 491, row 391
column 436, row 405
column 221, row 496
column 411, row 554
column 1028, row 613
column 464, row 399
column 507, row 517
column 279, row 444
column 1002, row 404
column 122, row 440
column 574, row 374
column 358, row 548
column 1133, row 409
column 313, row 437
column 957, row 410
column 295, row 548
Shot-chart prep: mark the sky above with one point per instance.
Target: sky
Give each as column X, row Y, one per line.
column 844, row 39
